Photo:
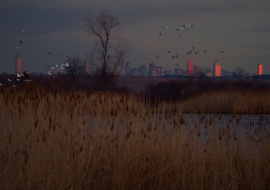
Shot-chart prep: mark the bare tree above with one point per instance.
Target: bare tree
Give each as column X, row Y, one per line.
column 108, row 48
column 74, row 67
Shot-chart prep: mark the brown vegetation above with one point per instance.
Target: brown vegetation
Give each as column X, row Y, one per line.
column 63, row 138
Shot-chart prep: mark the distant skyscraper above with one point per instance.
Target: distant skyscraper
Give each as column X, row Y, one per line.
column 152, row 69
column 18, row 62
column 190, row 65
column 127, row 68
column 142, row 70
column 178, row 72
column 259, row 69
column 217, row 69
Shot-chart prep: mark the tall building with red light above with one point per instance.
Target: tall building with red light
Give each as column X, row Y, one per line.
column 217, row 69
column 152, row 69
column 259, row 69
column 190, row 65
column 18, row 62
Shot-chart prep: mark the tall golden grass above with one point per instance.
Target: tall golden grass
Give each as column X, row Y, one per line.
column 59, row 139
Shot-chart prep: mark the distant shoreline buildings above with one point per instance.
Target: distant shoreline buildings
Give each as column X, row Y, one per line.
column 191, row 70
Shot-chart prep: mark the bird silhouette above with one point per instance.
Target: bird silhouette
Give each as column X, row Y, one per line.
column 20, row 42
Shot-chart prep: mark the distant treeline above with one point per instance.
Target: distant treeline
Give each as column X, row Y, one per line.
column 171, row 89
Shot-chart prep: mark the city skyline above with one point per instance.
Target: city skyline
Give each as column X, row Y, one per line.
column 235, row 32
column 191, row 69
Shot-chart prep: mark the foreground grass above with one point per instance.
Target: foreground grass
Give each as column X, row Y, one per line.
column 87, row 140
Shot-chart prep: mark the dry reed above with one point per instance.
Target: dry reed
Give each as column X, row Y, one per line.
column 57, row 139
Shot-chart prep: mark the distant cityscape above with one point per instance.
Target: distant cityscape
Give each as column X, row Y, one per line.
column 190, row 70
column 125, row 69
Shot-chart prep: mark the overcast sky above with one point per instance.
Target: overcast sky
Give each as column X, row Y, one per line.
column 239, row 28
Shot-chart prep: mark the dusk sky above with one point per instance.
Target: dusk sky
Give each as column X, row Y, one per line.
column 239, row 28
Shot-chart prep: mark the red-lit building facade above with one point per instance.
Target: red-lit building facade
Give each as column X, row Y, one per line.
column 18, row 62
column 259, row 69
column 217, row 69
column 190, row 65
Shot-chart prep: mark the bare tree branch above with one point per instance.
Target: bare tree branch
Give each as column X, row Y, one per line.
column 108, row 49
column 75, row 68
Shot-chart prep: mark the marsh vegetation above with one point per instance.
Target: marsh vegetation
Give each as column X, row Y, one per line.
column 65, row 138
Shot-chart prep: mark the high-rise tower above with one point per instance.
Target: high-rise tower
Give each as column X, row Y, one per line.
column 18, row 62
column 190, row 65
column 217, row 69
column 259, row 69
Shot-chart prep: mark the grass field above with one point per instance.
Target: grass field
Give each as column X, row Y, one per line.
column 54, row 138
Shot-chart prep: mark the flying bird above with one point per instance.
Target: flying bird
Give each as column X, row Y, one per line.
column 179, row 35
column 222, row 52
column 20, row 42
column 181, row 28
column 166, row 27
column 188, row 25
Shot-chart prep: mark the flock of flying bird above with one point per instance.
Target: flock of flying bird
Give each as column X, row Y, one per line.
column 60, row 68
column 190, row 51
column 20, row 77
column 57, row 68
column 49, row 52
